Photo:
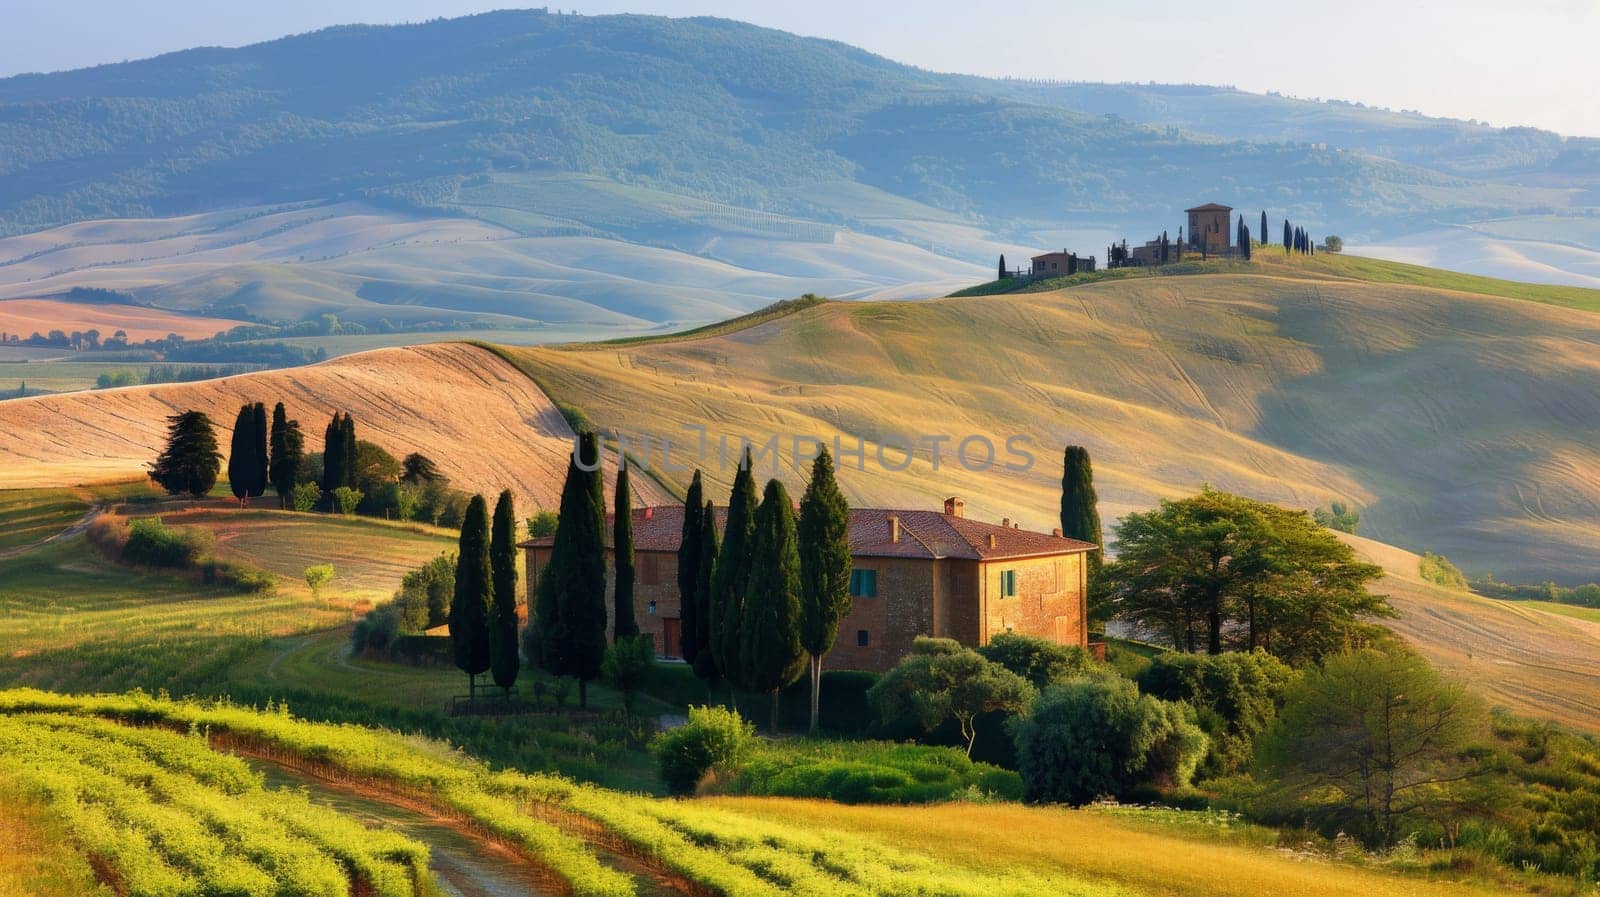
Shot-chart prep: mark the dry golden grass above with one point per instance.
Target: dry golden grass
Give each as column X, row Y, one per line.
column 481, row 420
column 1514, row 653
column 1095, row 846
column 1457, row 422
column 26, row 316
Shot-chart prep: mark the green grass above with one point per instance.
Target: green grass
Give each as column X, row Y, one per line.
column 857, row 772
column 33, row 515
column 1576, row 612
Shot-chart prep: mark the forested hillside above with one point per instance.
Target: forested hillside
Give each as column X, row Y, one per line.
column 721, row 110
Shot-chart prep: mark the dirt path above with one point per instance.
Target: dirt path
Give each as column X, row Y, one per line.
column 77, row 527
column 465, row 863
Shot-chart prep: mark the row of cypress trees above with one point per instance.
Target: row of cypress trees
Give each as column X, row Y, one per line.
column 259, row 457
column 339, row 454
column 762, row 605
column 483, row 610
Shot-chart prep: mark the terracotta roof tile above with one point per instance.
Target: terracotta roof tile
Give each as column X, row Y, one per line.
column 923, row 534
column 1211, row 207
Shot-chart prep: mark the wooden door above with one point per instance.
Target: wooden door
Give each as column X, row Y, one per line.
column 671, row 637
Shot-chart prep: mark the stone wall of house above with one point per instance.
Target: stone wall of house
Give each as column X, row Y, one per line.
column 1051, row 600
column 947, row 598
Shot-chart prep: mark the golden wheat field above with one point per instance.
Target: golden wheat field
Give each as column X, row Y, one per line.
column 27, row 316
column 1456, row 422
column 482, row 421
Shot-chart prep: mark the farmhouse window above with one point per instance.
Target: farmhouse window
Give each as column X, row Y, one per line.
column 862, row 638
column 863, row 583
column 1008, row 583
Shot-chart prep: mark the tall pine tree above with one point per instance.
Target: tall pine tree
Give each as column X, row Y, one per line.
column 1080, row 507
column 705, row 662
column 770, row 654
column 472, row 603
column 824, row 534
column 690, row 616
column 288, row 451
column 568, row 635
column 625, row 625
column 503, row 659
column 731, row 574
column 190, row 462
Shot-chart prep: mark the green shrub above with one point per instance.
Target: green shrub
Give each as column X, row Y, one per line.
column 873, row 772
column 154, row 544
column 543, row 523
column 1235, row 696
column 237, row 577
column 714, row 740
column 377, row 630
column 1093, row 738
column 307, row 496
column 347, row 499
column 1037, row 660
column 318, row 576
column 627, row 665
column 1437, row 569
column 941, row 680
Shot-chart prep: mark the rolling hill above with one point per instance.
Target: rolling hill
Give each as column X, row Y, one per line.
column 1456, row 421
column 485, row 425
column 522, row 167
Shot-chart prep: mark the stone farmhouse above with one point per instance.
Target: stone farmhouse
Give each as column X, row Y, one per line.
column 915, row 573
column 1211, row 228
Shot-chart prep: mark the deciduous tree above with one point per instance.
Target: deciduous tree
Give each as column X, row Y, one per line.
column 1381, row 731
column 942, row 680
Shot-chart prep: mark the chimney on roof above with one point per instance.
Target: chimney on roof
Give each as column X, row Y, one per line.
column 1056, row 532
column 955, row 507
column 894, row 528
column 992, row 541
column 649, row 513
column 1005, row 522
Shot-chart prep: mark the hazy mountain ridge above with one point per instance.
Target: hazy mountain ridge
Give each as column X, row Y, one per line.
column 709, row 107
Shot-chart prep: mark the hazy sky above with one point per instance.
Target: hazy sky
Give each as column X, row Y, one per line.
column 1527, row 62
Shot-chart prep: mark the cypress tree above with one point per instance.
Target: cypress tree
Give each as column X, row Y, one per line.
column 190, row 462
column 690, row 616
column 240, row 454
column 1002, row 267
column 288, row 450
column 347, row 441
column 1264, row 230
column 705, row 662
column 824, row 535
column 568, row 637
column 333, row 455
column 770, row 654
column 258, row 451
column 731, row 574
column 1080, row 507
column 503, row 659
column 1288, row 237
column 471, row 605
column 625, row 625
column 1244, row 239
